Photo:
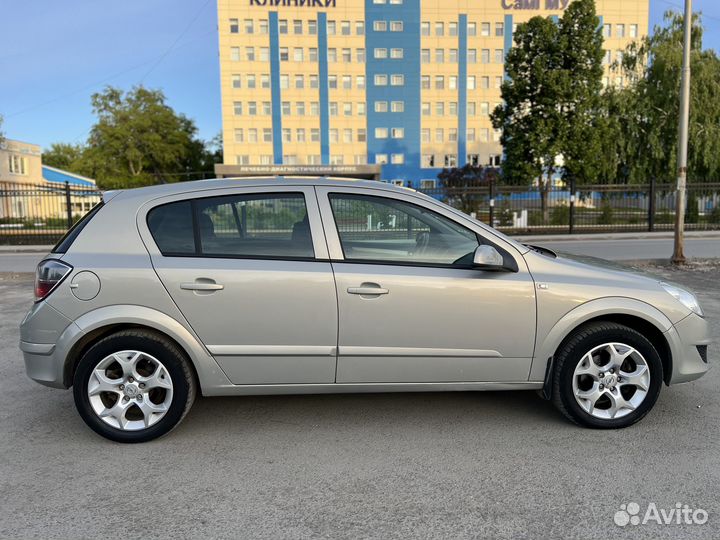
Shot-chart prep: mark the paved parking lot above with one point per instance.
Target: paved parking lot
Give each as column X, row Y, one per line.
column 460, row 465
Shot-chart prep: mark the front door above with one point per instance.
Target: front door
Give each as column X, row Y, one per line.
column 243, row 269
column 411, row 306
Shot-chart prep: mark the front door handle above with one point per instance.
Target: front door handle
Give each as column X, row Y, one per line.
column 202, row 285
column 368, row 289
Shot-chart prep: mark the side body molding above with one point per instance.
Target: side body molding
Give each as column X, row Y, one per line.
column 610, row 305
column 209, row 373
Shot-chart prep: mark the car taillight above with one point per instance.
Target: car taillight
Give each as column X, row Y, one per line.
column 48, row 275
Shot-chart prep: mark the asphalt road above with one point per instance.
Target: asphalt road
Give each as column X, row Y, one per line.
column 445, row 465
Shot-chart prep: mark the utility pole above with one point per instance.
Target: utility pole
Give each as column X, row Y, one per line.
column 678, row 251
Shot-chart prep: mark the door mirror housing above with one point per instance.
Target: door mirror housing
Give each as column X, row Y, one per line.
column 488, row 258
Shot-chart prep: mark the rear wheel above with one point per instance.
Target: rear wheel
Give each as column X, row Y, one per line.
column 133, row 386
column 606, row 376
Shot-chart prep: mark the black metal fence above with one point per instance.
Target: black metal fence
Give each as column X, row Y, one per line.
column 585, row 209
column 41, row 213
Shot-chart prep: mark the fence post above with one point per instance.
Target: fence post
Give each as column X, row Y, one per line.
column 571, row 224
column 68, row 204
column 651, row 206
column 491, row 186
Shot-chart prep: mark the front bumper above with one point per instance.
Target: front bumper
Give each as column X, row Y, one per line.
column 684, row 339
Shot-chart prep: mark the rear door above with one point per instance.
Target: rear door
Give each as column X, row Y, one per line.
column 411, row 306
column 248, row 268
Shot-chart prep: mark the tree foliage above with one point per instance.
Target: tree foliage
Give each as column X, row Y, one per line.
column 458, row 184
column 551, row 98
column 642, row 139
column 138, row 139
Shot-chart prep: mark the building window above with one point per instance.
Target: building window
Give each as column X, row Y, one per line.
column 427, row 161
column 331, row 28
column 453, row 108
column 234, row 26
column 440, row 56
column 360, row 28
column 313, row 54
column 499, row 29
column 425, row 135
column 235, row 54
column 337, row 160
column 312, row 27
column 297, row 27
column 484, row 108
column 484, row 135
column 397, row 133
column 381, row 133
column 470, row 135
column 347, row 136
column 381, row 80
column 267, row 135
column 484, row 83
column 397, row 159
column 380, row 26
column 450, row 160
column 283, row 26
column 472, row 29
column 314, row 81
column 345, row 28
column 620, row 30
column 347, row 109
column 439, row 82
column 237, row 108
column 17, row 164
column 485, row 56
column 286, row 135
column 263, row 26
column 266, row 160
column 284, row 54
column 314, row 108
column 236, row 81
column 285, row 108
column 452, row 82
column 473, row 159
column 499, row 56
column 300, row 135
column 250, row 54
column 485, row 29
column 315, row 135
column 284, row 82
column 396, row 53
column 264, row 80
column 453, row 56
column 347, row 82
column 381, row 159
column 299, row 81
column 397, row 80
column 425, row 56
column 249, row 27
column 252, row 108
column 425, row 82
column 333, row 135
column 428, row 184
column 439, row 29
column 381, row 106
column 242, row 160
column 607, row 30
column 380, row 53
column 424, row 28
column 397, row 106
column 440, row 108
column 425, row 108
column 347, row 56
column 360, row 82
column 452, row 29
column 498, row 81
column 332, row 81
column 300, row 108
column 252, row 135
column 313, row 159
column 452, row 135
column 396, row 26
column 333, row 108
column 266, row 108
column 472, row 56
column 298, row 55
column 362, row 136
column 332, row 55
column 360, row 56
column 439, row 135
column 264, row 54
column 471, row 108
column 360, row 108
column 633, row 30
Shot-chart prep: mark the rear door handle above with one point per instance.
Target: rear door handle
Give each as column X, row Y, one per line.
column 368, row 289
column 202, row 286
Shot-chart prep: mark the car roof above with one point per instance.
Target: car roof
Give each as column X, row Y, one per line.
column 222, row 183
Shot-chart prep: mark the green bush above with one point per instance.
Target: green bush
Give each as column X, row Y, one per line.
column 692, row 215
column 664, row 218
column 535, row 218
column 606, row 213
column 504, row 216
column 714, row 216
column 560, row 214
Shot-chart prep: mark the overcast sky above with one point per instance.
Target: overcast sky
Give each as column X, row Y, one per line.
column 55, row 54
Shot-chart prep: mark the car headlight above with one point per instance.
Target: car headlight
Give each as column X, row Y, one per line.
column 686, row 298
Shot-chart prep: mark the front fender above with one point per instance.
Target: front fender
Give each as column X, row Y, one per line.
column 593, row 309
column 209, row 372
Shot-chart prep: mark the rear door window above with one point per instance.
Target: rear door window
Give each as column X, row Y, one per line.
column 269, row 225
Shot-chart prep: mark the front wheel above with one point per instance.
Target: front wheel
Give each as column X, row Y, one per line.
column 606, row 375
column 133, row 386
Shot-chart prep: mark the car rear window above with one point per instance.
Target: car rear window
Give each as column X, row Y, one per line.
column 268, row 225
column 67, row 240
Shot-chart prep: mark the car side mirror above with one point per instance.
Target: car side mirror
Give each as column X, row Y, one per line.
column 489, row 258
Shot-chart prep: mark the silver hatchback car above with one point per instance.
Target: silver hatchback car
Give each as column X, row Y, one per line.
column 289, row 286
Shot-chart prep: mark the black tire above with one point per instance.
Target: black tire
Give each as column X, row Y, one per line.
column 164, row 350
column 571, row 353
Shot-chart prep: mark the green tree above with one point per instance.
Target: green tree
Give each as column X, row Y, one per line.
column 551, row 100
column 138, row 139
column 64, row 156
column 648, row 109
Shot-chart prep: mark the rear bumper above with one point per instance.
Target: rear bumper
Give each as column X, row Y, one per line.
column 41, row 364
column 685, row 338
